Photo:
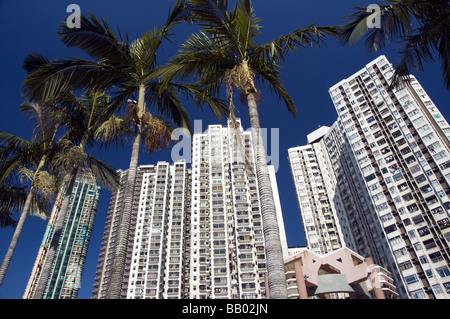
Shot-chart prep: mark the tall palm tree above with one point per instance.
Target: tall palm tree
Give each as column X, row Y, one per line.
column 86, row 116
column 29, row 158
column 225, row 53
column 12, row 193
column 420, row 27
column 126, row 67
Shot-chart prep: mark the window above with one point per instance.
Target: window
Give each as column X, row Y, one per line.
column 400, row 252
column 411, row 279
column 443, row 271
column 367, row 169
column 382, row 207
column 423, row 128
column 440, row 155
column 386, row 217
column 423, row 231
column 405, row 265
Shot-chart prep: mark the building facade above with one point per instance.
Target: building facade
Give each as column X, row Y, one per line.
column 64, row 280
column 196, row 233
column 339, row 274
column 156, row 246
column 386, row 177
column 401, row 144
column 336, row 209
column 227, row 242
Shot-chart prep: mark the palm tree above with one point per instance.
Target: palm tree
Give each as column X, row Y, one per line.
column 128, row 68
column 225, row 52
column 86, row 116
column 20, row 156
column 12, row 194
column 420, row 27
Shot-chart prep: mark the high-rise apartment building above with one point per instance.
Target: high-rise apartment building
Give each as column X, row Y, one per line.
column 227, row 242
column 64, row 280
column 336, row 210
column 156, row 246
column 399, row 144
column 312, row 177
column 196, row 233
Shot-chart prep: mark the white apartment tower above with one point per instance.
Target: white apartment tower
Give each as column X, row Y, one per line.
column 195, row 233
column 400, row 142
column 312, row 179
column 154, row 267
column 227, row 243
column 336, row 210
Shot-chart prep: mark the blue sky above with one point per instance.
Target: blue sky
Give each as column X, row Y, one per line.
column 30, row 26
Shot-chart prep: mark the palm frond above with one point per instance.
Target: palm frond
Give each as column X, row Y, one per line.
column 276, row 50
column 11, row 143
column 104, row 173
column 421, row 48
column 66, row 156
column 156, row 134
column 112, row 132
column 444, row 56
column 6, row 220
column 167, row 103
column 206, row 95
column 45, row 122
column 96, row 39
column 181, row 12
column 268, row 73
column 34, row 61
column 395, row 21
column 213, row 18
column 45, row 183
column 143, row 51
column 198, row 53
column 245, row 26
column 51, row 80
column 12, row 199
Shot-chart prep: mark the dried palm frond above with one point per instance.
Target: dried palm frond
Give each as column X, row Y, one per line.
column 69, row 156
column 46, row 183
column 156, row 135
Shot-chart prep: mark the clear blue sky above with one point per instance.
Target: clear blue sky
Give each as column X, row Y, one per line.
column 30, row 26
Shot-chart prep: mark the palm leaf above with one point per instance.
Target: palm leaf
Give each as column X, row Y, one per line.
column 51, row 80
column 111, row 132
column 269, row 74
column 34, row 61
column 96, row 39
column 275, row 50
column 143, row 51
column 12, row 200
column 245, row 26
column 6, row 220
column 104, row 174
column 421, row 47
column 167, row 103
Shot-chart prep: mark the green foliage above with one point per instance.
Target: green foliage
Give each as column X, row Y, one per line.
column 225, row 50
column 419, row 27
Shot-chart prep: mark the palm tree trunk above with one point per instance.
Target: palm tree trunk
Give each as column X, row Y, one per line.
column 115, row 286
column 16, row 236
column 273, row 250
column 58, row 228
column 20, row 224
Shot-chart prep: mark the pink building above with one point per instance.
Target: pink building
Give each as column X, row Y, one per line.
column 340, row 274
